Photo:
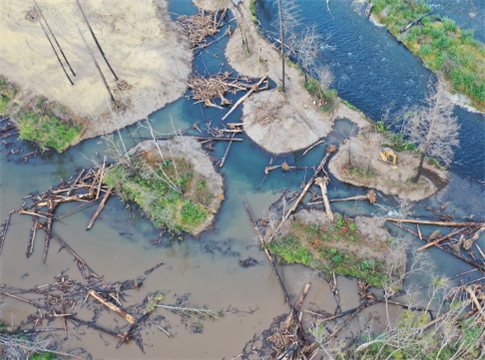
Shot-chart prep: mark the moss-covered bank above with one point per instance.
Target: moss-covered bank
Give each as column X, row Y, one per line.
column 440, row 43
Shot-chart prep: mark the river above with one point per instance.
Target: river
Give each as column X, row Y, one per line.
column 378, row 71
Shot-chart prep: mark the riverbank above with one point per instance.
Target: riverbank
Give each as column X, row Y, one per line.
column 173, row 181
column 358, row 162
column 442, row 47
column 141, row 43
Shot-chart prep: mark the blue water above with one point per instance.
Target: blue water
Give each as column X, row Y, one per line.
column 373, row 70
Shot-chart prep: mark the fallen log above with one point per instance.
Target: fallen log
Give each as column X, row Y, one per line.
column 330, row 150
column 468, row 243
column 414, row 22
column 240, row 101
column 227, row 152
column 455, row 254
column 112, row 307
column 322, row 182
column 453, row 233
column 52, row 208
column 100, row 208
column 437, row 223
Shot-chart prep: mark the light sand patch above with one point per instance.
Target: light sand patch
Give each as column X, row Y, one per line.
column 140, row 42
column 364, row 154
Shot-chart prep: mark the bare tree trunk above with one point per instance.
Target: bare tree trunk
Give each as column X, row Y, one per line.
column 282, row 35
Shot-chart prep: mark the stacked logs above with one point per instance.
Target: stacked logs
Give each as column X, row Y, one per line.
column 216, row 86
column 197, row 27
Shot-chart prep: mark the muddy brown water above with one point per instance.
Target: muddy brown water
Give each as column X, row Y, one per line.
column 207, row 268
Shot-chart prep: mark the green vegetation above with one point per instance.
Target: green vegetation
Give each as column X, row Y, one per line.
column 46, row 131
column 361, row 171
column 169, row 192
column 350, row 106
column 326, row 99
column 252, row 8
column 43, row 356
column 338, row 248
column 46, row 123
column 440, row 44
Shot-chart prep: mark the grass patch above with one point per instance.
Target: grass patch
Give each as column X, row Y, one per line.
column 326, row 100
column 337, row 247
column 442, row 46
column 47, row 123
column 360, row 170
column 144, row 182
column 46, row 131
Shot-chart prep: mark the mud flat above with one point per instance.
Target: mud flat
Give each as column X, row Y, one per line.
column 181, row 191
column 139, row 40
column 367, row 169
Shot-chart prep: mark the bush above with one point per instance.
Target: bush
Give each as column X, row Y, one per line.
column 449, row 25
column 426, row 50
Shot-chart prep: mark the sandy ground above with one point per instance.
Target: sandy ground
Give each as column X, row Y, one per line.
column 364, row 150
column 278, row 122
column 191, row 149
column 139, row 41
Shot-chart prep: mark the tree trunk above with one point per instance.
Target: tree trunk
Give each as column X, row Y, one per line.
column 282, row 35
column 420, row 169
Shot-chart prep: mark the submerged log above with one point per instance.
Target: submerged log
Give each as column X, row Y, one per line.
column 112, row 307
column 33, row 232
column 289, row 320
column 3, row 232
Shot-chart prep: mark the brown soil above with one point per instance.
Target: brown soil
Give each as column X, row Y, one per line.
column 140, row 42
column 191, row 150
column 370, row 171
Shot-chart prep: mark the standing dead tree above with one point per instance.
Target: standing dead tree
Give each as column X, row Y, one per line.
column 54, row 37
column 96, row 40
column 308, row 47
column 99, row 69
column 433, row 127
column 54, row 49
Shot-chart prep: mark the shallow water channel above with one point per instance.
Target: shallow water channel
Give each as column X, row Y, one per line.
column 118, row 247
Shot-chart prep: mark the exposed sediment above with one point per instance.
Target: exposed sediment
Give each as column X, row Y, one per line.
column 140, row 41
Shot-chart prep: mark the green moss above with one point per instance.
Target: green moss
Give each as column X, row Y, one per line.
column 442, row 46
column 144, row 183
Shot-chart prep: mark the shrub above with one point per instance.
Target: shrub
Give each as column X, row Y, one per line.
column 426, row 50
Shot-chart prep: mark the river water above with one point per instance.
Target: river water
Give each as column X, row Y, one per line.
column 379, row 71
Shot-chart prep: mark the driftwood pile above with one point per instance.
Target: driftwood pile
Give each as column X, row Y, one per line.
column 32, row 14
column 217, row 85
column 197, row 27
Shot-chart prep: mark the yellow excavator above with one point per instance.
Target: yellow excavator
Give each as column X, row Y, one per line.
column 389, row 156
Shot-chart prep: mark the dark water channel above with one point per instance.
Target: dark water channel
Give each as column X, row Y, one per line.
column 118, row 246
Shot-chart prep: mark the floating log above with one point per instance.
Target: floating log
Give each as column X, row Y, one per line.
column 437, row 223
column 112, row 307
column 414, row 22
column 322, row 182
column 227, row 152
column 100, row 208
column 240, row 101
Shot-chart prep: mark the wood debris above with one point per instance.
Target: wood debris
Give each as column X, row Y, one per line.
column 32, row 15
column 197, row 27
